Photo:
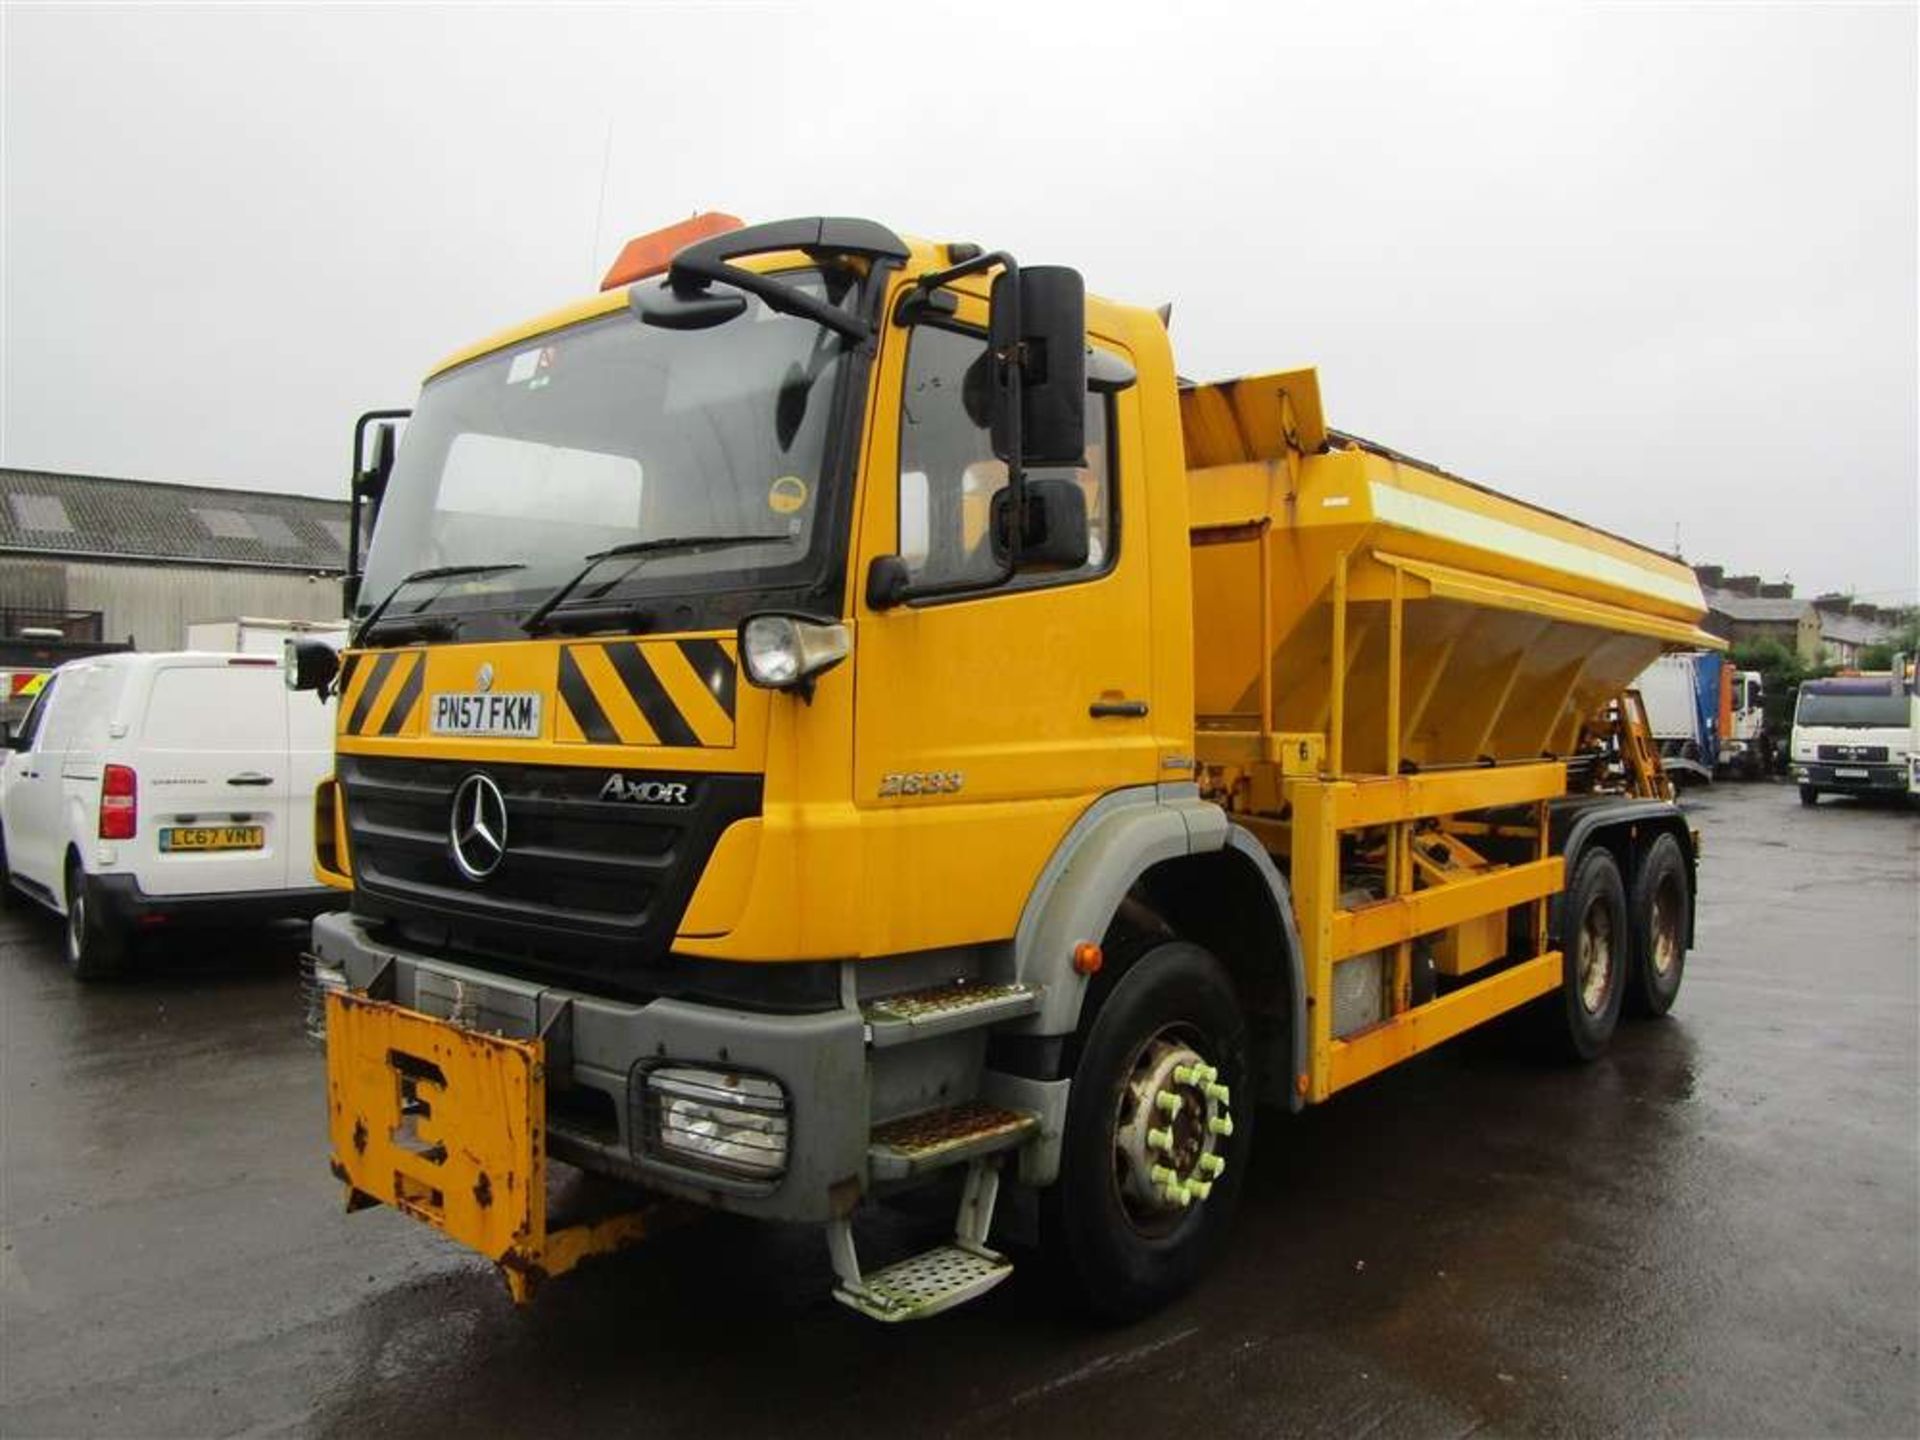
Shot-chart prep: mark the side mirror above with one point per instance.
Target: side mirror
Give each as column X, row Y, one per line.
column 310, row 665
column 371, row 482
column 1052, row 532
column 1038, row 321
column 13, row 741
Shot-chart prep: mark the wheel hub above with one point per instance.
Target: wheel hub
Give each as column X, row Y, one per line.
column 1596, row 958
column 1166, row 1144
column 1666, row 929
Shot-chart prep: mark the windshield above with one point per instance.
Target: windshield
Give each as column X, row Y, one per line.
column 1856, row 709
column 610, row 432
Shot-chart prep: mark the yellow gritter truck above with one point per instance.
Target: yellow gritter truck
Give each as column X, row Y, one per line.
column 832, row 714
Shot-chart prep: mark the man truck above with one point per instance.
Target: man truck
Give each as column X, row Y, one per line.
column 833, row 713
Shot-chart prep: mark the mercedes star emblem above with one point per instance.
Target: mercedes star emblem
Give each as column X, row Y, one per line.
column 479, row 828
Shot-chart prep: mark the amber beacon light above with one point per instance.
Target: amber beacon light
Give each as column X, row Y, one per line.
column 651, row 253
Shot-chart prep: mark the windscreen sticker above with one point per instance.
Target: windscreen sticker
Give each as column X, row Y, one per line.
column 532, row 368
column 786, row 495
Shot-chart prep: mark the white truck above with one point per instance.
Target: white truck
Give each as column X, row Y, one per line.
column 254, row 635
column 1857, row 735
column 1706, row 717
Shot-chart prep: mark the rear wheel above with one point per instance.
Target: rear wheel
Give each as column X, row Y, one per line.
column 1658, row 914
column 94, row 952
column 1596, row 946
column 6, row 876
column 1809, row 795
column 1155, row 1147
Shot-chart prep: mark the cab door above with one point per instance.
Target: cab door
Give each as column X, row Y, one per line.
column 987, row 720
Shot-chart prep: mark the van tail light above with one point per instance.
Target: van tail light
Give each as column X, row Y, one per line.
column 119, row 803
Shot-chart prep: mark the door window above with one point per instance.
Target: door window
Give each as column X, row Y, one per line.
column 949, row 476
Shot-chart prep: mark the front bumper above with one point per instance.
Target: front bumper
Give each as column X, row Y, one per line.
column 1864, row 778
column 605, row 1049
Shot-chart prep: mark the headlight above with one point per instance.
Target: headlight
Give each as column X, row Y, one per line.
column 718, row 1120
column 786, row 652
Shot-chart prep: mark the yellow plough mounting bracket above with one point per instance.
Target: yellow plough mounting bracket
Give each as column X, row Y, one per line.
column 448, row 1125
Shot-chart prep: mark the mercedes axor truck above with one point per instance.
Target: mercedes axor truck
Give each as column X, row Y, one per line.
column 832, row 713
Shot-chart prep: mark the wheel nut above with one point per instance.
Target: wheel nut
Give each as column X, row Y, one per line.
column 1221, row 1125
column 1161, row 1175
column 1217, row 1092
column 1188, row 1075
column 1212, row 1165
column 1160, row 1139
column 1168, row 1101
column 1200, row 1189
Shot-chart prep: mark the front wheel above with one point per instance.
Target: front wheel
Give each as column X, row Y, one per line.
column 1158, row 1131
column 94, row 952
column 1809, row 795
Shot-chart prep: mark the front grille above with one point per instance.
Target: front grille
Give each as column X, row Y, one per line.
column 587, row 886
column 1853, row 752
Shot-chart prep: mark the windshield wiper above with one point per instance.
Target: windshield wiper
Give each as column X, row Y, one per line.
column 415, row 577
column 633, row 549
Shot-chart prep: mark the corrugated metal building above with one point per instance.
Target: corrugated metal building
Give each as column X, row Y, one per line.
column 133, row 559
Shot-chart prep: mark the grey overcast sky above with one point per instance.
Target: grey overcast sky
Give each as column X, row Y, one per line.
column 1652, row 264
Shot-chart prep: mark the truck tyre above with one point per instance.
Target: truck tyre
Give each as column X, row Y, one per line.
column 1657, row 912
column 6, row 876
column 1809, row 795
column 1597, row 948
column 93, row 951
column 1159, row 1127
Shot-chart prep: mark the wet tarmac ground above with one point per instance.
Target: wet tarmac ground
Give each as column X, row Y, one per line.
column 1713, row 1230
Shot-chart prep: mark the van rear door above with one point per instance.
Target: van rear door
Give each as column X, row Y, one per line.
column 215, row 778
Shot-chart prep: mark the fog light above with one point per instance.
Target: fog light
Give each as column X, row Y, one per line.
column 317, row 979
column 718, row 1120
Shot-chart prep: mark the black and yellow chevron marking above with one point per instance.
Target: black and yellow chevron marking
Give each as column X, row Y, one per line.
column 378, row 697
column 647, row 692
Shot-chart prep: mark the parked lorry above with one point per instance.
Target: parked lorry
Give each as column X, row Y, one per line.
column 1707, row 718
column 1857, row 734
column 256, row 635
column 833, row 713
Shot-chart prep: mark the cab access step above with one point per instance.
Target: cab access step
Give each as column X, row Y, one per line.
column 975, row 1134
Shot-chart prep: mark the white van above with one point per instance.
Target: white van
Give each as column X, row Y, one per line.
column 147, row 791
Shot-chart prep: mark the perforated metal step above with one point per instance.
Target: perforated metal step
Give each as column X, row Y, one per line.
column 951, row 1136
column 918, row 1014
column 926, row 1284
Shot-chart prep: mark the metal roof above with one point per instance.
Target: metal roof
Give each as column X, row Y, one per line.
column 1853, row 629
column 100, row 517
